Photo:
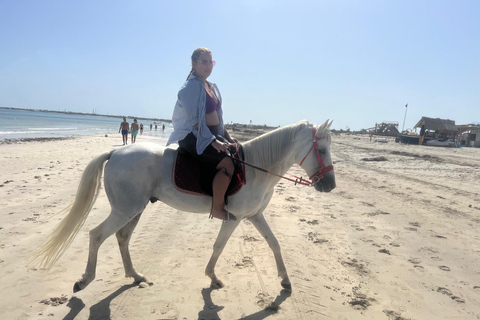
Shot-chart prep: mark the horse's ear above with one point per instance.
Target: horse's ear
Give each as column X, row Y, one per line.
column 321, row 129
column 330, row 124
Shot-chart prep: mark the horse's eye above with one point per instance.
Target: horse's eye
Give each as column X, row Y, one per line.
column 322, row 151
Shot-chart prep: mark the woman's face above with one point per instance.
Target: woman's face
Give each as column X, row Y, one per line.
column 203, row 66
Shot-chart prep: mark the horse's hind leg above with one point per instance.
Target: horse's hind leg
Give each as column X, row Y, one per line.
column 123, row 237
column 98, row 235
column 262, row 226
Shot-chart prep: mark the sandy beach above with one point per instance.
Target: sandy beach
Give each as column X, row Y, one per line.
column 397, row 239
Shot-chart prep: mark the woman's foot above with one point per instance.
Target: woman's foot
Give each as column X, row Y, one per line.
column 222, row 215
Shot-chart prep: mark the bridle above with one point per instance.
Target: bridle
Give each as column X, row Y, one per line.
column 322, row 169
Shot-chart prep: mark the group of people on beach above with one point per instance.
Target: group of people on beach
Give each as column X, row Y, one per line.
column 125, row 128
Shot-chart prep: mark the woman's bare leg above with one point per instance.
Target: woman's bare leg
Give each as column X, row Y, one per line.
column 221, row 182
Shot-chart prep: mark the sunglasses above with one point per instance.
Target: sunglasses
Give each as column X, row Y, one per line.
column 207, row 62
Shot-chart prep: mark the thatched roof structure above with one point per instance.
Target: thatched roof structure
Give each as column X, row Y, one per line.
column 437, row 124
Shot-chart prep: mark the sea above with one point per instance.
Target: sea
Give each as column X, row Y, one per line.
column 29, row 124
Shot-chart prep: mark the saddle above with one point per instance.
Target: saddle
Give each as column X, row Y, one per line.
column 194, row 177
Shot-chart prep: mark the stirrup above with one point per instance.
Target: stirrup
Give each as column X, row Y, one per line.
column 228, row 217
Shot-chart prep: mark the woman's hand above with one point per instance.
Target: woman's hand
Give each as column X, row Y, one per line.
column 219, row 146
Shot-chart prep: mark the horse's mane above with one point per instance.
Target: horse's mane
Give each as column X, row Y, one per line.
column 269, row 149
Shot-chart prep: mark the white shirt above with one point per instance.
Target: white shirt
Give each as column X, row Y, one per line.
column 190, row 110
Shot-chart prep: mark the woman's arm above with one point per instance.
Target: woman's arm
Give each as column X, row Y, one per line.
column 227, row 136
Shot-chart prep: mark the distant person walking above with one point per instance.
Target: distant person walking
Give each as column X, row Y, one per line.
column 150, row 127
column 124, row 126
column 163, row 127
column 134, row 130
column 141, row 128
column 155, row 126
column 422, row 134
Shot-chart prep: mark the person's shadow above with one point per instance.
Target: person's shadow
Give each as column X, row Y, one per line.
column 210, row 310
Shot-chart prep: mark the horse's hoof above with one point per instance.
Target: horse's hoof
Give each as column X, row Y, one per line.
column 287, row 286
column 217, row 284
column 140, row 278
column 76, row 287
column 144, row 283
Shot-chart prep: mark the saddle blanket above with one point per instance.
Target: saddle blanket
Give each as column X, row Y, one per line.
column 194, row 177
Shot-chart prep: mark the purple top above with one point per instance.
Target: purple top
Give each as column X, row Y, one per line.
column 211, row 105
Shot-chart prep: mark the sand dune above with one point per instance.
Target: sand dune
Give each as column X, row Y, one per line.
column 397, row 239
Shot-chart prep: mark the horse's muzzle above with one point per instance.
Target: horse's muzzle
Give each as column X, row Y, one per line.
column 327, row 183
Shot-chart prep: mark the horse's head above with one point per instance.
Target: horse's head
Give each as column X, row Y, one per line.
column 314, row 156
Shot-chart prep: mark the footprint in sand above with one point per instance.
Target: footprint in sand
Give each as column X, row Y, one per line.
column 415, row 261
column 444, row 268
column 458, row 299
column 392, row 315
column 249, row 239
column 293, row 208
column 444, row 291
column 384, row 251
column 313, row 236
column 246, row 262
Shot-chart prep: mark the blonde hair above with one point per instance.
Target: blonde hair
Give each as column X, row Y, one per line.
column 195, row 55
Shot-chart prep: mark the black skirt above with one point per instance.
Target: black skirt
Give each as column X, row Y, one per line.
column 210, row 155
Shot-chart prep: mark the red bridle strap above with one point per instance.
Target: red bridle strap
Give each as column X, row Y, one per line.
column 322, row 169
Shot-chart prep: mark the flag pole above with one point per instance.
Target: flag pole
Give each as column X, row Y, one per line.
column 406, row 108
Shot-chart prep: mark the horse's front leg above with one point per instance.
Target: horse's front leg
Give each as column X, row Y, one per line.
column 225, row 232
column 262, row 226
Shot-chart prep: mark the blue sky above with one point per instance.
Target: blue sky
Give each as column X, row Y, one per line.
column 278, row 62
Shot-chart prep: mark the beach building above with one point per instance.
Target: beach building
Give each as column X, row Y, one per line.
column 441, row 128
column 468, row 135
column 386, row 128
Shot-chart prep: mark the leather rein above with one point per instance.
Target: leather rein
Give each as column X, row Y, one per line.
column 299, row 180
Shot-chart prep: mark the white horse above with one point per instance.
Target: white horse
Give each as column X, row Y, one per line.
column 140, row 173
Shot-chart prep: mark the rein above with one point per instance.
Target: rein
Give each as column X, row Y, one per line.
column 299, row 180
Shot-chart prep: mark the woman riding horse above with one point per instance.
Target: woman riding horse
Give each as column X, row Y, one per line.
column 198, row 128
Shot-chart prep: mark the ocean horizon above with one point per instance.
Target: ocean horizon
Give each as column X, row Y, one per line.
column 22, row 124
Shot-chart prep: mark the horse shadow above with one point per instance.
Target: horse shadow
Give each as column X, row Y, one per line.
column 76, row 305
column 210, row 310
column 100, row 310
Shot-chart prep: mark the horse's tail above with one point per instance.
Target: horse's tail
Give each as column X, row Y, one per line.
column 63, row 235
